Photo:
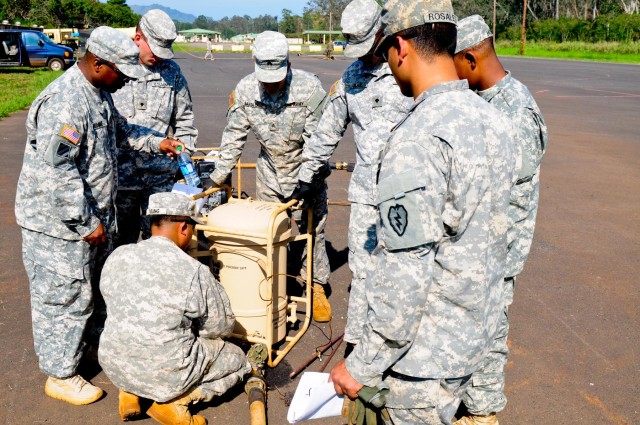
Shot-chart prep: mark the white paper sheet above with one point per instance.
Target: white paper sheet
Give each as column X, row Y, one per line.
column 314, row 398
column 189, row 191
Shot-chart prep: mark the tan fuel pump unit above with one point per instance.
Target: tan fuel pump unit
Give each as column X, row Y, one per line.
column 249, row 246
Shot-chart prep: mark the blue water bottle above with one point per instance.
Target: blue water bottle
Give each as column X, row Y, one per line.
column 188, row 170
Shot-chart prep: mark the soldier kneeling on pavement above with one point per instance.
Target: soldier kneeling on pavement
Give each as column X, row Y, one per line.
column 166, row 317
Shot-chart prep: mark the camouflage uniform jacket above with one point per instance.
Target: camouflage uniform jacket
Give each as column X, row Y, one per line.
column 160, row 101
column 443, row 194
column 155, row 295
column 513, row 98
column 68, row 180
column 282, row 125
column 370, row 99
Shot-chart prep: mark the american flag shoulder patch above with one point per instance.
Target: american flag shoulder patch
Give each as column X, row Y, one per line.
column 334, row 88
column 232, row 99
column 70, row 133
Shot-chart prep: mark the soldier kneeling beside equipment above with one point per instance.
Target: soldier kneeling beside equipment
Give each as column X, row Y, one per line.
column 166, row 315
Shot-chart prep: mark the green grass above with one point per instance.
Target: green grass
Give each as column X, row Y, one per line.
column 189, row 47
column 20, row 86
column 599, row 52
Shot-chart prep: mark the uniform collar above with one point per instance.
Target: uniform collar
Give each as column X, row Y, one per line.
column 151, row 72
column 163, row 240
column 77, row 74
column 378, row 70
column 445, row 87
column 492, row 92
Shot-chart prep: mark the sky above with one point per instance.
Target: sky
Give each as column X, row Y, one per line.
column 217, row 9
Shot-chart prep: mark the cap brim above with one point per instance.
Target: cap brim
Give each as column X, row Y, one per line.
column 132, row 71
column 271, row 75
column 382, row 44
column 159, row 51
column 361, row 49
column 197, row 220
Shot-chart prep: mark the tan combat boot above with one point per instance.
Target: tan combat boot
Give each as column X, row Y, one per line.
column 176, row 411
column 74, row 390
column 321, row 306
column 478, row 420
column 128, row 406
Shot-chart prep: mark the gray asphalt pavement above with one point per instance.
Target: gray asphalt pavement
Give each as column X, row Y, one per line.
column 575, row 327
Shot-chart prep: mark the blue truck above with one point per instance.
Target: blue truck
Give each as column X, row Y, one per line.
column 22, row 47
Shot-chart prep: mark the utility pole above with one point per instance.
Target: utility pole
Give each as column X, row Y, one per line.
column 524, row 28
column 330, row 27
column 494, row 21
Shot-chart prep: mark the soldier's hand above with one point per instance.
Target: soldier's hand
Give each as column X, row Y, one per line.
column 96, row 237
column 303, row 192
column 169, row 146
column 343, row 382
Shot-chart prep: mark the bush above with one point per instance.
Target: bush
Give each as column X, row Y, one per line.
column 605, row 28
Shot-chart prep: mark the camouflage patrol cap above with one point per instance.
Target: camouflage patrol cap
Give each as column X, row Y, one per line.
column 271, row 53
column 160, row 31
column 173, row 203
column 360, row 23
column 114, row 46
column 400, row 15
column 471, row 31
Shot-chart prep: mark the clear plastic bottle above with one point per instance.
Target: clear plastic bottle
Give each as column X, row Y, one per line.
column 188, row 170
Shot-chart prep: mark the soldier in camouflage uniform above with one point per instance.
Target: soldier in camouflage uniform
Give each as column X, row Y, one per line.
column 477, row 62
column 443, row 192
column 160, row 100
column 166, row 319
column 368, row 97
column 64, row 201
column 282, row 107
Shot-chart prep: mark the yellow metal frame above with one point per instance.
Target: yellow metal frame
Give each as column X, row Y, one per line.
column 293, row 302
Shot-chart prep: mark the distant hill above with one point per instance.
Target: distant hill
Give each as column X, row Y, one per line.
column 176, row 15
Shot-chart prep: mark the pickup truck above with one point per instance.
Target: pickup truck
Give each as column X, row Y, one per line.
column 33, row 48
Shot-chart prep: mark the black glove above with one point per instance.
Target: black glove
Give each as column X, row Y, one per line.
column 304, row 192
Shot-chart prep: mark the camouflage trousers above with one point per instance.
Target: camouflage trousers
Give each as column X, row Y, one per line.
column 131, row 207
column 321, row 269
column 60, row 274
column 486, row 395
column 424, row 401
column 228, row 368
column 362, row 242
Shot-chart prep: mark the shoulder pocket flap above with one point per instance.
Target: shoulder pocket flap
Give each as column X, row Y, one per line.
column 397, row 186
column 404, row 219
column 60, row 151
column 316, row 100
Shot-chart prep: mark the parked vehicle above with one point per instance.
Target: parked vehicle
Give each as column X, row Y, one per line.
column 33, row 48
column 77, row 44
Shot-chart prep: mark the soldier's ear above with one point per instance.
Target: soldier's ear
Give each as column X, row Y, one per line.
column 96, row 63
column 137, row 39
column 184, row 227
column 470, row 57
column 404, row 48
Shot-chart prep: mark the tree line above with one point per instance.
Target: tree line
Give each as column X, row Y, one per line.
column 551, row 20
column 548, row 20
column 559, row 20
column 69, row 13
